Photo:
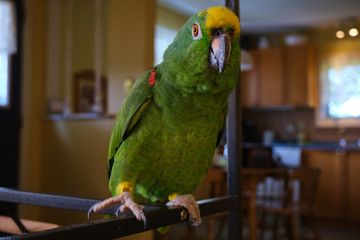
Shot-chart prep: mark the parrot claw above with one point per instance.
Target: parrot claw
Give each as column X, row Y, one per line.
column 118, row 211
column 143, row 217
column 137, row 211
column 91, row 210
column 128, row 203
column 188, row 201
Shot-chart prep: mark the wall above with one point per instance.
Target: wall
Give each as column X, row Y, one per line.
column 33, row 101
column 131, row 42
column 82, row 40
column 169, row 18
column 69, row 156
column 74, row 163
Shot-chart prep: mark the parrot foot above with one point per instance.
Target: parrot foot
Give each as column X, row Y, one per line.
column 127, row 203
column 188, row 201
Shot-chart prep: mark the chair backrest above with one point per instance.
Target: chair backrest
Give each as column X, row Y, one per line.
column 293, row 187
column 213, row 185
column 260, row 157
column 273, row 188
column 307, row 180
column 216, row 178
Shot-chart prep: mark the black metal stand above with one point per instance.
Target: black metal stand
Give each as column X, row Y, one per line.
column 126, row 224
column 234, row 149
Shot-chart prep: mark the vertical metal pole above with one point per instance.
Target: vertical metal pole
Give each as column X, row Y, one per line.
column 234, row 150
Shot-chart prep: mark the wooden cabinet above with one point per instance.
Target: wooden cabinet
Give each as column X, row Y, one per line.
column 353, row 181
column 299, row 75
column 280, row 76
column 249, row 83
column 271, row 78
column 329, row 187
column 338, row 193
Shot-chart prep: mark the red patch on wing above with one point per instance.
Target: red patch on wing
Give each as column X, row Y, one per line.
column 152, row 80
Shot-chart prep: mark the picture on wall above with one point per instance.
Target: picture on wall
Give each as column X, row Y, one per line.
column 84, row 99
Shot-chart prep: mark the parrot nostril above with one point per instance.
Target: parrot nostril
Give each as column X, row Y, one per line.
column 217, row 33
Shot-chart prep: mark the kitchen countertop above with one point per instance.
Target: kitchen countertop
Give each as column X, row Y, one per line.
column 314, row 145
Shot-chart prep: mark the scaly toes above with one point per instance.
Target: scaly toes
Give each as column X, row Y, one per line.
column 127, row 201
column 137, row 210
column 189, row 202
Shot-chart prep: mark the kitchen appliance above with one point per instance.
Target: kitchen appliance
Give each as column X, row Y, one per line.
column 290, row 156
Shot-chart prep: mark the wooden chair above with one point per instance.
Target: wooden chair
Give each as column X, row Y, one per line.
column 216, row 178
column 260, row 157
column 293, row 199
column 9, row 226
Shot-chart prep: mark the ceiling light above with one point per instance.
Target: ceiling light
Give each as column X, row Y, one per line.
column 340, row 34
column 353, row 32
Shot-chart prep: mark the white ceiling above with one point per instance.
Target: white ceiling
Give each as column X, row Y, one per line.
column 258, row 16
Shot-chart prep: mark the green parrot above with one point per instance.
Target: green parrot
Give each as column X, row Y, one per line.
column 166, row 132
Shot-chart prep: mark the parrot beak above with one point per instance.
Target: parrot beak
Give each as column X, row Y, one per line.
column 220, row 50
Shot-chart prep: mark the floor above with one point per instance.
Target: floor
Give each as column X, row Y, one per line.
column 327, row 231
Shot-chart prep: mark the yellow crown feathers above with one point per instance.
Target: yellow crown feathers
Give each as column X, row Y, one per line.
column 221, row 17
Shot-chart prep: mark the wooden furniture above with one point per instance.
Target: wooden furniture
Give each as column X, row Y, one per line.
column 352, row 199
column 7, row 225
column 271, row 77
column 300, row 75
column 280, row 76
column 216, row 178
column 290, row 196
column 250, row 82
column 262, row 85
column 338, row 193
column 251, row 177
column 260, row 157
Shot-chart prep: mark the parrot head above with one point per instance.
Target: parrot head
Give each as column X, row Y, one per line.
column 205, row 54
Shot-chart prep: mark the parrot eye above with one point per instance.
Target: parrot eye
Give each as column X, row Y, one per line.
column 196, row 31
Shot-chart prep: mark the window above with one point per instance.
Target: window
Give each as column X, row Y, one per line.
column 7, row 47
column 340, row 90
column 4, row 80
column 163, row 37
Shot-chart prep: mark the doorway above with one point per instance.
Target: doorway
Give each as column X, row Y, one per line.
column 10, row 114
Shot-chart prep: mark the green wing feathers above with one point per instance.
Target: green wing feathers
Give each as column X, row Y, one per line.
column 139, row 97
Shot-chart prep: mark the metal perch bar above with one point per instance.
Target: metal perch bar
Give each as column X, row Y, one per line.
column 234, row 148
column 124, row 225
